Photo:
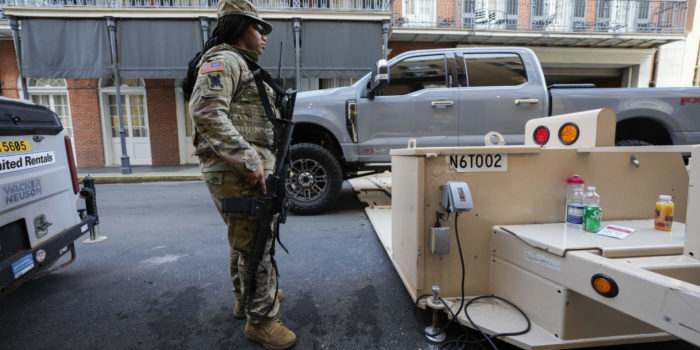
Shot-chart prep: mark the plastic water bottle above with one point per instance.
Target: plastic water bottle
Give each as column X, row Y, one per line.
column 574, row 201
column 592, row 214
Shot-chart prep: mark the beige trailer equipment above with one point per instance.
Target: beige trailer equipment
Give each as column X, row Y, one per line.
column 516, row 245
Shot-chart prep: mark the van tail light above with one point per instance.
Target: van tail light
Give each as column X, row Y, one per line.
column 71, row 164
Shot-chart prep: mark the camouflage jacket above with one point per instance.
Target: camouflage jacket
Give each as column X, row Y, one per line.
column 231, row 129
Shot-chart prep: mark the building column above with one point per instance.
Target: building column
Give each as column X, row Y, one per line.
column 87, row 123
column 297, row 53
column 204, row 23
column 9, row 71
column 14, row 24
column 385, row 37
column 112, row 25
column 162, row 122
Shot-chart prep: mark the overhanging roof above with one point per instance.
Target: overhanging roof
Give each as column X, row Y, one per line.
column 515, row 38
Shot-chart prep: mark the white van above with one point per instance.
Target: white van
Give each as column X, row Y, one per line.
column 39, row 218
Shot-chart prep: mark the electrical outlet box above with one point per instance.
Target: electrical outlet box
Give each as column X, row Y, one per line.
column 456, row 196
column 440, row 240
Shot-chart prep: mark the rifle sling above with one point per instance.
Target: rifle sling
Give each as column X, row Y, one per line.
column 261, row 75
column 263, row 95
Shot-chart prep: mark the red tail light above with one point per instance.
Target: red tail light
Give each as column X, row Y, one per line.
column 71, row 164
column 541, row 135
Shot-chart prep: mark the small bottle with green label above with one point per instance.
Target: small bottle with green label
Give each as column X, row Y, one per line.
column 592, row 214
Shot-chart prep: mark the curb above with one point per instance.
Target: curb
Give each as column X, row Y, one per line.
column 110, row 179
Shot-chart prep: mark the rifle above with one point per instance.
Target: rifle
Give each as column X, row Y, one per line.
column 271, row 208
column 279, row 79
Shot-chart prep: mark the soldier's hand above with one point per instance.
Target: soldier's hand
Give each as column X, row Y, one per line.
column 258, row 177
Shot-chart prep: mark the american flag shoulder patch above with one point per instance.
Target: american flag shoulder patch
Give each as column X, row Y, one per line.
column 215, row 66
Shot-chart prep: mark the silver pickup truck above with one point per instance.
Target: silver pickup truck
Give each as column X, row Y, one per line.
column 453, row 97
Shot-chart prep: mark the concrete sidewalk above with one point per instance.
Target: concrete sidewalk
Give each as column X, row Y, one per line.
column 189, row 172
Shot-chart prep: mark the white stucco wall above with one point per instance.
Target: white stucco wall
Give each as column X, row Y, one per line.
column 601, row 57
column 677, row 60
column 638, row 62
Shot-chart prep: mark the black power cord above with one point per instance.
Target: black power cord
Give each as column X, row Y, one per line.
column 461, row 259
column 527, row 329
column 463, row 340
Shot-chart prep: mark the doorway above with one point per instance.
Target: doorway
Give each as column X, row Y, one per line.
column 136, row 131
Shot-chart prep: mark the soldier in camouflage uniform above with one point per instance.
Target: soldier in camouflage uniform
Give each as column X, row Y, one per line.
column 234, row 143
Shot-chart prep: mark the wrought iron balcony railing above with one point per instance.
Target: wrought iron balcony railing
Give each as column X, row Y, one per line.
column 345, row 5
column 617, row 16
column 614, row 16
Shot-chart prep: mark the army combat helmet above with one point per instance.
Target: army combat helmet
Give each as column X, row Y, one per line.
column 241, row 7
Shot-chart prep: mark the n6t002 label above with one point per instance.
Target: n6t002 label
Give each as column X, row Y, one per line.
column 465, row 163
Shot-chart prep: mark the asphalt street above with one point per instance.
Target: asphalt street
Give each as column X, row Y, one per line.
column 161, row 282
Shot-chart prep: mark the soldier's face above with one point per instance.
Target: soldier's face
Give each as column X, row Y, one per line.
column 253, row 39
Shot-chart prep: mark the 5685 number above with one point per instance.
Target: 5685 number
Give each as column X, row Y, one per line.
column 478, row 162
column 14, row 146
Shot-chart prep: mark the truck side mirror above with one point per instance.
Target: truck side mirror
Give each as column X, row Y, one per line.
column 380, row 78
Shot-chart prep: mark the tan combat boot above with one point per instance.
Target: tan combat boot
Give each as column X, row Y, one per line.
column 239, row 312
column 271, row 333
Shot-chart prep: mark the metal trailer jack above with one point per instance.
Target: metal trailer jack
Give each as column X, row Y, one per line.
column 95, row 236
column 433, row 332
column 90, row 195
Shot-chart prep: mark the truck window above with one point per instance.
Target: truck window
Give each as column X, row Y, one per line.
column 492, row 69
column 416, row 73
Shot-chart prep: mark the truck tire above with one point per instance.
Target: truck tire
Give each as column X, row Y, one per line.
column 315, row 179
column 633, row 143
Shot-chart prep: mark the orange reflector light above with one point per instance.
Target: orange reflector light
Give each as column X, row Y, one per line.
column 541, row 135
column 568, row 133
column 604, row 285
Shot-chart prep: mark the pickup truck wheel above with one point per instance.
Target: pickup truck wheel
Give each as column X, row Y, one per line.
column 315, row 179
column 633, row 143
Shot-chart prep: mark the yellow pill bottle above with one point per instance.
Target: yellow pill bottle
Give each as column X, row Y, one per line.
column 663, row 218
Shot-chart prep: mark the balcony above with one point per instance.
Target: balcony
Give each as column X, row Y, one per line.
column 602, row 16
column 340, row 5
column 576, row 16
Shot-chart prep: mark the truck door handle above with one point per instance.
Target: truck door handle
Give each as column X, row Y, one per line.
column 441, row 103
column 526, row 100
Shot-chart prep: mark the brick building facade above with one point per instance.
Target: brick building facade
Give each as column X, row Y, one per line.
column 159, row 132
column 86, row 113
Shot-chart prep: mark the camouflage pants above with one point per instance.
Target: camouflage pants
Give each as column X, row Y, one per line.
column 241, row 228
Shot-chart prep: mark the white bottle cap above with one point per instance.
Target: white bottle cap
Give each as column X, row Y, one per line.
column 591, row 188
column 664, row 197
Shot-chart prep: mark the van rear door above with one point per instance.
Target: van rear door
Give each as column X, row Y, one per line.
column 38, row 191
